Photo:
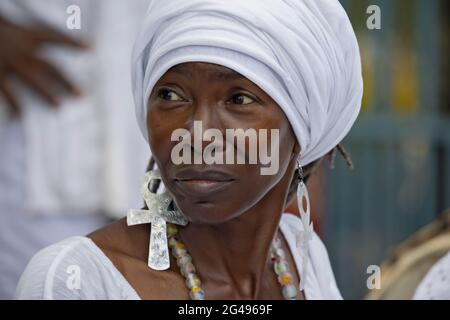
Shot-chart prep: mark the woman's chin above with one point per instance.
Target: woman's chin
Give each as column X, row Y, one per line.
column 206, row 212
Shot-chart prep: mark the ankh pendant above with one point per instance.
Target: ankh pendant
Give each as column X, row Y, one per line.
column 158, row 214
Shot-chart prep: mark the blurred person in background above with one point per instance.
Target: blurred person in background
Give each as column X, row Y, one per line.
column 436, row 283
column 70, row 151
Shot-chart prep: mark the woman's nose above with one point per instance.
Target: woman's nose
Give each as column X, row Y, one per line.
column 204, row 112
column 205, row 116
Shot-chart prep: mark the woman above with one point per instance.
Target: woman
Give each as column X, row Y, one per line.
column 287, row 65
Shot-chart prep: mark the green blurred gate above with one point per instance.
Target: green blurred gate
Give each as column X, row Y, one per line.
column 400, row 144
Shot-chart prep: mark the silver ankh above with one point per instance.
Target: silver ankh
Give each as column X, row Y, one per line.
column 158, row 214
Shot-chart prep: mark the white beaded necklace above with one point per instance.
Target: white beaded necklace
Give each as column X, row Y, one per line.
column 188, row 271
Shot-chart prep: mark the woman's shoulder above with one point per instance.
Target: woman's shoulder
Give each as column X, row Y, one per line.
column 321, row 277
column 293, row 224
column 74, row 268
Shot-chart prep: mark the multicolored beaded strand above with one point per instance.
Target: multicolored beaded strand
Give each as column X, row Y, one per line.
column 188, row 271
column 184, row 262
column 281, row 268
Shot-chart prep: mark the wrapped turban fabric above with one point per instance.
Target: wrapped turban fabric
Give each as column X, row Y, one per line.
column 302, row 53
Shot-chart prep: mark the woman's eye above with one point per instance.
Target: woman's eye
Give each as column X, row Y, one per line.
column 169, row 95
column 241, row 99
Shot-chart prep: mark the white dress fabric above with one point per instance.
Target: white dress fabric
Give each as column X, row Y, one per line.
column 436, row 284
column 49, row 274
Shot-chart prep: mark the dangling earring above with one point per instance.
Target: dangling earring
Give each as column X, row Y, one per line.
column 306, row 234
column 158, row 214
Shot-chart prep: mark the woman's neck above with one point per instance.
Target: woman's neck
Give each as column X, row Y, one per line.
column 231, row 258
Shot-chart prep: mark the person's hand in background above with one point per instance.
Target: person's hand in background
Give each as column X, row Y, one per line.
column 19, row 59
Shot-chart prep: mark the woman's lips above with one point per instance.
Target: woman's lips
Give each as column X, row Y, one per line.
column 201, row 188
column 201, row 182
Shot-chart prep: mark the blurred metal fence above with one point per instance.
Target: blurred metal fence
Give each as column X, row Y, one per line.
column 400, row 144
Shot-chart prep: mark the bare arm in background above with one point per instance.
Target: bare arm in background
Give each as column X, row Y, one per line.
column 19, row 59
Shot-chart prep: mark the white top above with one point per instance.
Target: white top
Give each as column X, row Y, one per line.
column 23, row 234
column 76, row 268
column 436, row 284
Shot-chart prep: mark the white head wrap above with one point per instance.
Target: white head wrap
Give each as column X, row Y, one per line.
column 303, row 53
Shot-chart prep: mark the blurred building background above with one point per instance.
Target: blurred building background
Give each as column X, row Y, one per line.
column 400, row 145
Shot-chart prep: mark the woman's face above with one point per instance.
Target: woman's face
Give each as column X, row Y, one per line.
column 221, row 99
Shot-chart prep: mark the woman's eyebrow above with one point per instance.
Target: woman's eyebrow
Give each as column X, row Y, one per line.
column 226, row 75
column 181, row 70
column 222, row 74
